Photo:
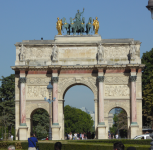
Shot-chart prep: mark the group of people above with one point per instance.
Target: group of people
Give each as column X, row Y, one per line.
column 111, row 136
column 80, row 136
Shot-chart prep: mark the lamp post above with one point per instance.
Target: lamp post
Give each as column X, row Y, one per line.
column 50, row 88
column 150, row 7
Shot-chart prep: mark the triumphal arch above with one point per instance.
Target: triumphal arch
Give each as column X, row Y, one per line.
column 111, row 68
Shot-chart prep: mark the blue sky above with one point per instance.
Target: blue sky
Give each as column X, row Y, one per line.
column 33, row 19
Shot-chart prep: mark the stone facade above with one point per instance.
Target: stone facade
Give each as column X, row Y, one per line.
column 111, row 68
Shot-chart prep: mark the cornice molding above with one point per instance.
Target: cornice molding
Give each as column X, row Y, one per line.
column 80, row 67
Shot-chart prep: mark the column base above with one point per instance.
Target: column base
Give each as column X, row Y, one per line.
column 134, row 129
column 102, row 132
column 56, row 132
column 23, row 133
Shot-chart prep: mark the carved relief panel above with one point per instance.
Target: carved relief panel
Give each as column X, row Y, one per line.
column 116, row 80
column 117, row 91
column 116, row 51
column 77, row 52
column 37, row 87
column 35, row 52
column 117, row 86
column 38, row 81
column 38, row 92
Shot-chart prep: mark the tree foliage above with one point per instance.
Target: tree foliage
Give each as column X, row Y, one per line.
column 7, row 97
column 40, row 121
column 147, row 59
column 114, row 128
column 7, row 89
column 77, row 120
column 148, row 100
column 122, row 120
column 120, row 123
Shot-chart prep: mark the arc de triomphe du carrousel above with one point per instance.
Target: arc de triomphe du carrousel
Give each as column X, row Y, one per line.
column 111, row 68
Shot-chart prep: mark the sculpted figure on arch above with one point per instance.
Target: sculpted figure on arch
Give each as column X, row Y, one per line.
column 100, row 52
column 59, row 26
column 133, row 50
column 55, row 53
column 96, row 25
column 78, row 15
column 22, row 53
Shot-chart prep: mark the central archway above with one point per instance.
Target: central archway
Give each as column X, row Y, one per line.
column 78, row 99
column 66, row 83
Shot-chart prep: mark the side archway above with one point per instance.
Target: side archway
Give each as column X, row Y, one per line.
column 40, row 122
column 112, row 105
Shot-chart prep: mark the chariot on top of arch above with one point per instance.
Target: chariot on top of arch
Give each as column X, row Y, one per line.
column 77, row 25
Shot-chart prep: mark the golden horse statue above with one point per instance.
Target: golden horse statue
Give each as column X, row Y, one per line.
column 96, row 25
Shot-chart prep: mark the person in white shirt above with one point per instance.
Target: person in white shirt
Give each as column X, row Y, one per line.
column 116, row 136
column 12, row 137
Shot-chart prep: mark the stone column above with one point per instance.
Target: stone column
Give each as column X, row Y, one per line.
column 133, row 100
column 22, row 81
column 55, row 103
column 101, row 100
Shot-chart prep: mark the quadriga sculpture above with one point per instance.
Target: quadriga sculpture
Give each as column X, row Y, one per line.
column 77, row 25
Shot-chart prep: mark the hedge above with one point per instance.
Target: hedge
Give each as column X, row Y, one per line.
column 50, row 146
column 124, row 141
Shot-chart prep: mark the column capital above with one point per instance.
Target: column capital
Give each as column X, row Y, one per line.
column 22, row 80
column 133, row 78
column 100, row 78
column 54, row 79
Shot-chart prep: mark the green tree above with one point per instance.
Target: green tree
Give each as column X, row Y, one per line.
column 114, row 128
column 7, row 89
column 122, row 120
column 7, row 97
column 40, row 119
column 148, row 100
column 147, row 59
column 77, row 120
column 4, row 121
column 120, row 124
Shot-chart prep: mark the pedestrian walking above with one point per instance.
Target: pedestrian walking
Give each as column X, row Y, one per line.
column 32, row 142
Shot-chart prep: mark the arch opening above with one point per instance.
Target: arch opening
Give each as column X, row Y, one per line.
column 81, row 97
column 118, row 123
column 40, row 123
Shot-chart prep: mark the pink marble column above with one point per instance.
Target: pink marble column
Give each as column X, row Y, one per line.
column 101, row 100
column 55, row 103
column 133, row 100
column 22, row 101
